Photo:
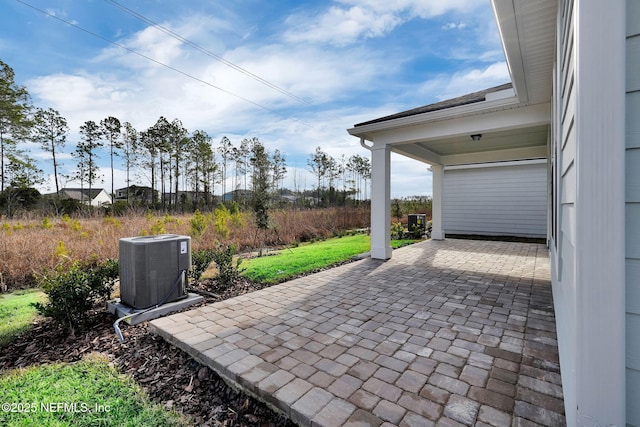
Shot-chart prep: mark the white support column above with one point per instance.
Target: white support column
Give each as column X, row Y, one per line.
column 380, row 202
column 437, row 228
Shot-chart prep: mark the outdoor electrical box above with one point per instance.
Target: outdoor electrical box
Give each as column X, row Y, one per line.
column 417, row 222
column 153, row 269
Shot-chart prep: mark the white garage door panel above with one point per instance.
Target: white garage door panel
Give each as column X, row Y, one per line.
column 498, row 200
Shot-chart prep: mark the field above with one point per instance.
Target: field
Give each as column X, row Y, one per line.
column 30, row 246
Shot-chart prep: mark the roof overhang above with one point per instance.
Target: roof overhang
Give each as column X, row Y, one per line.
column 510, row 133
column 514, row 122
column 528, row 34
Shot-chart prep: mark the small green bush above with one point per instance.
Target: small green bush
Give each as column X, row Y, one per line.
column 228, row 272
column 74, row 289
column 200, row 261
column 46, row 223
column 158, row 228
column 198, row 224
column 233, row 207
column 397, row 230
column 220, row 224
column 416, row 231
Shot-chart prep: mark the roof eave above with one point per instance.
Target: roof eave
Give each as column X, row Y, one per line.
column 366, row 131
column 506, row 20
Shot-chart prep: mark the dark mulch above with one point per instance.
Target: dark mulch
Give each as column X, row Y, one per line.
column 168, row 375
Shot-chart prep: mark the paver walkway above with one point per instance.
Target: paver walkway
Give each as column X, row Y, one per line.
column 446, row 333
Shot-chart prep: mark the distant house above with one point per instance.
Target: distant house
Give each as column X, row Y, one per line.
column 136, row 193
column 95, row 197
column 237, row 195
column 568, row 125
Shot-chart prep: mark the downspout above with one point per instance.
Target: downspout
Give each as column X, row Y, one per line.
column 364, row 145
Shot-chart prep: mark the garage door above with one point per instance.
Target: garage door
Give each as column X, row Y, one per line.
column 506, row 199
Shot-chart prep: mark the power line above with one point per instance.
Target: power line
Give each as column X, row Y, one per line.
column 128, row 49
column 206, row 51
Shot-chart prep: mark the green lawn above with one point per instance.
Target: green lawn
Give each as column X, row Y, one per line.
column 16, row 313
column 86, row 393
column 288, row 263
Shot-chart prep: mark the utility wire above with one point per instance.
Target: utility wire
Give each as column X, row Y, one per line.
column 205, row 51
column 128, row 49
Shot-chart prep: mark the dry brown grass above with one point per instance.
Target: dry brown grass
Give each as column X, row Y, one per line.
column 31, row 245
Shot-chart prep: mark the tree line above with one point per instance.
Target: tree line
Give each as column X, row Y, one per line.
column 177, row 165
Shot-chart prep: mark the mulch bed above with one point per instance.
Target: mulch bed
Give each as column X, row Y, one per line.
column 168, row 375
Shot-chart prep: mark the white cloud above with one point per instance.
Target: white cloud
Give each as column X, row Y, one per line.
column 454, row 26
column 352, row 20
column 81, row 97
column 59, row 13
column 343, row 26
column 467, row 81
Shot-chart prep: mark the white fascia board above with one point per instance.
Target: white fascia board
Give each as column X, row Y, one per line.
column 433, row 116
column 507, row 21
column 494, row 121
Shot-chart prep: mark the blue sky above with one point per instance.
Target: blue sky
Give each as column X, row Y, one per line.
column 294, row 74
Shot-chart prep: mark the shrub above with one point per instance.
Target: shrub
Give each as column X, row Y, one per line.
column 397, row 230
column 237, row 219
column 74, row 289
column 198, row 224
column 61, row 250
column 46, row 223
column 75, row 225
column 118, row 208
column 158, row 228
column 110, row 220
column 220, row 225
column 228, row 273
column 200, row 261
column 233, row 207
column 416, row 231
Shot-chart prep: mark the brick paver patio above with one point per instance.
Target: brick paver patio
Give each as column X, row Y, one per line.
column 446, row 333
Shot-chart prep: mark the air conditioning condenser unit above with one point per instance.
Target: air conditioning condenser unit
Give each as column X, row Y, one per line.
column 153, row 269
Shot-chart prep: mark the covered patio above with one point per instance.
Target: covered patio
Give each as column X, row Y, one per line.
column 489, row 127
column 506, row 123
column 452, row 332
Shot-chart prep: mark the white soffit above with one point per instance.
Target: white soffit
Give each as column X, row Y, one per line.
column 528, row 32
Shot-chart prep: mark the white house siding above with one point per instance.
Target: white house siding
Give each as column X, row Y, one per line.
column 632, row 158
column 101, row 199
column 507, row 199
column 587, row 239
column 564, row 176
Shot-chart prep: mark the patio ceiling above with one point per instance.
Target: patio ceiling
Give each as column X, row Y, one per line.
column 494, row 146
